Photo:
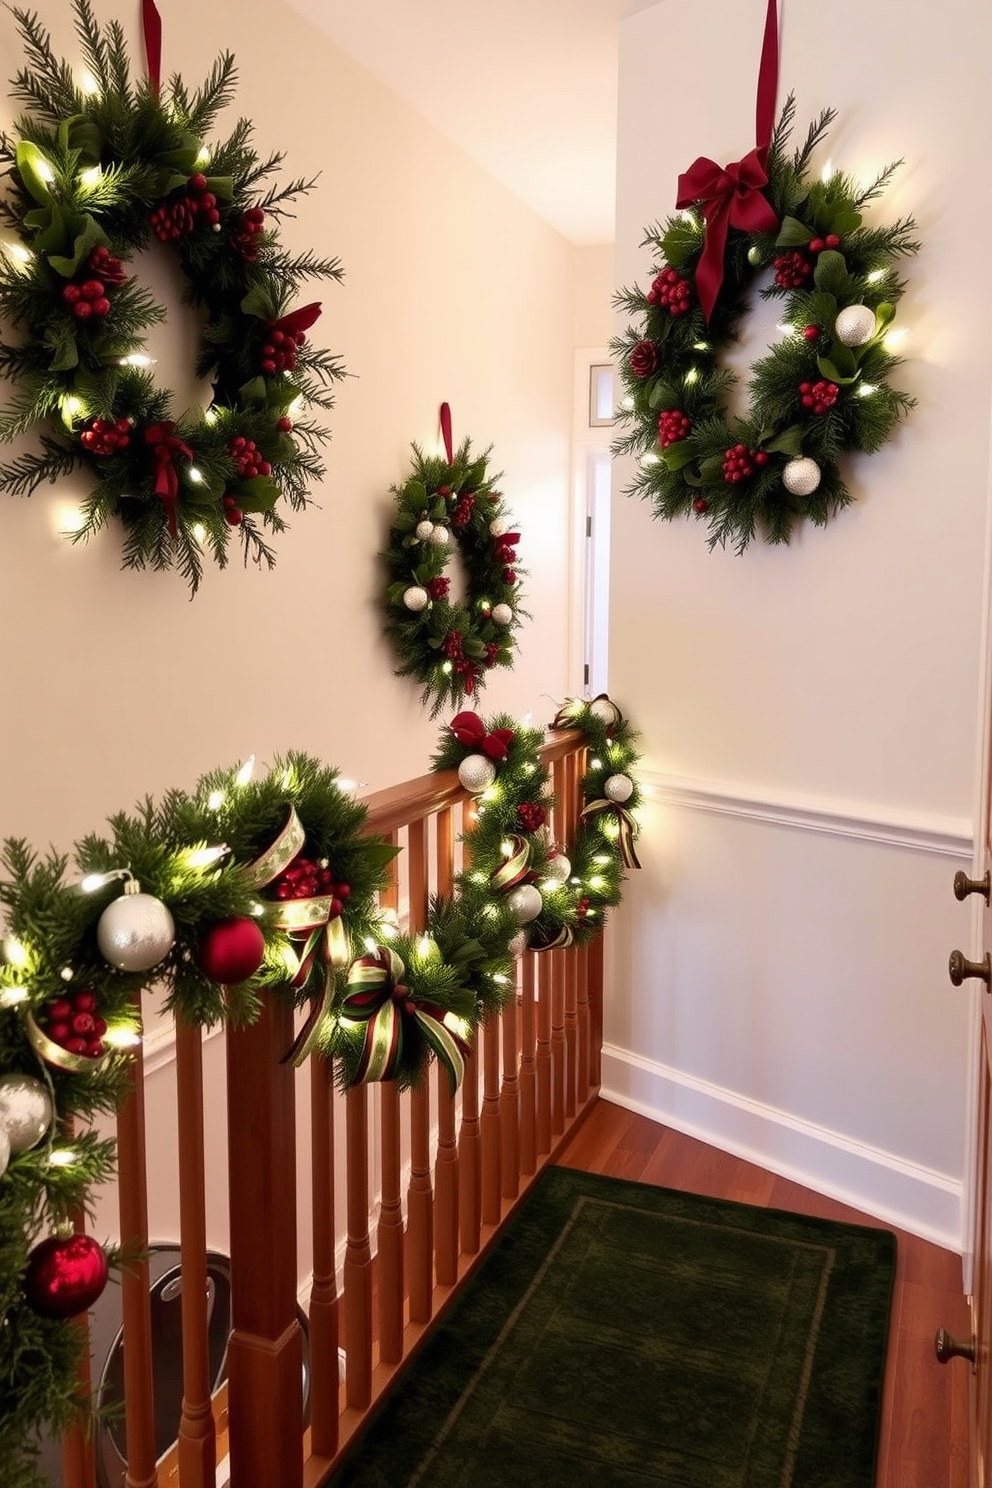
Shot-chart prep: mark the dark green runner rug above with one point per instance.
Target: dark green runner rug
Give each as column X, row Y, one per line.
column 618, row 1335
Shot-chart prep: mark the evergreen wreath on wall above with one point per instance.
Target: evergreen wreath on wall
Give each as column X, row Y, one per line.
column 446, row 645
column 818, row 394
column 94, row 175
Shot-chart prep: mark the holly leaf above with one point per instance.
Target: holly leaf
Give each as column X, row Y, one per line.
column 259, row 494
column 830, row 274
column 885, row 314
column 404, row 521
column 415, row 492
column 841, row 366
column 789, row 442
column 61, row 340
column 840, row 219
column 658, row 389
column 85, row 242
column 680, row 241
column 34, row 171
column 822, row 308
column 793, row 234
column 258, row 301
column 676, row 456
column 80, row 134
column 711, row 469
column 473, row 648
column 379, row 854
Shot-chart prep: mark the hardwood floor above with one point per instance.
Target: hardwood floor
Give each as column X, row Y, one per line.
column 924, row 1435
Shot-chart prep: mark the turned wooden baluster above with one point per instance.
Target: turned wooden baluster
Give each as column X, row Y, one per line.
column 542, row 969
column 78, row 1459
column 419, row 1204
column 265, row 1353
column 509, row 1109
column 560, row 782
column 528, row 1065
column 323, row 1312
column 358, row 1253
column 594, row 963
column 389, row 1241
column 446, row 1162
column 582, row 1003
column 570, row 957
column 469, row 1157
column 197, row 1440
column 490, row 1123
column 139, row 1395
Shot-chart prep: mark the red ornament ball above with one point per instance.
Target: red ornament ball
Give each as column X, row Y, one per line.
column 65, row 1276
column 231, row 951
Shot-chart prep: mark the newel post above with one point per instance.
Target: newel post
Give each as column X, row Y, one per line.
column 265, row 1355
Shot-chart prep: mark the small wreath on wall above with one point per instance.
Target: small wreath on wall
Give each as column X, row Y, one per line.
column 448, row 646
column 94, row 176
column 819, row 393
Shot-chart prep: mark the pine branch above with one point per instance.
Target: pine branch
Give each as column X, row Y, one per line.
column 92, row 44
column 46, row 83
column 870, row 193
column 214, row 95
column 815, row 133
column 25, row 474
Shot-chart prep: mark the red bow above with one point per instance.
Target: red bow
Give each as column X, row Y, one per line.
column 468, row 728
column 506, row 547
column 165, row 448
column 151, row 23
column 296, row 320
column 730, row 196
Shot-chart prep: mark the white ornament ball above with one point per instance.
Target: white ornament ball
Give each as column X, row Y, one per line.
column 855, row 325
column 4, row 1157
column 502, row 614
column 618, row 788
column 476, row 773
column 525, row 903
column 136, row 932
column 424, row 530
column 439, row 537
column 754, row 256
column 518, row 944
column 801, row 476
column 559, row 868
column 25, row 1111
column 499, row 527
column 605, row 712
column 415, row 598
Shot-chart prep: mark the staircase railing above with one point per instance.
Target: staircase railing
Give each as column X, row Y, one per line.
column 412, row 1186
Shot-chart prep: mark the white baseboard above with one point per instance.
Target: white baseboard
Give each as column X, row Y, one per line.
column 901, row 1193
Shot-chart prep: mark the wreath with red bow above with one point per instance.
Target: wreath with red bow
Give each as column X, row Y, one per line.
column 818, row 393
column 94, row 176
column 448, row 645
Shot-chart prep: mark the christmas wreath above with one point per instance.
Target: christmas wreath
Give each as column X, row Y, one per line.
column 821, row 392
column 94, row 174
column 446, row 645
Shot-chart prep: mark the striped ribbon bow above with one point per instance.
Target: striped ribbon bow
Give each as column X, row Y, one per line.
column 515, row 866
column 378, row 997
column 625, row 828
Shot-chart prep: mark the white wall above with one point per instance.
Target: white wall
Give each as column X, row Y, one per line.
column 788, row 995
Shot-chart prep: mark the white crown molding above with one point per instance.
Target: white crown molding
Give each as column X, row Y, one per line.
column 946, row 836
column 901, row 1193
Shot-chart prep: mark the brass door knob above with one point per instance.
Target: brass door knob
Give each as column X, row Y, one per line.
column 963, row 885
column 959, row 967
column 946, row 1347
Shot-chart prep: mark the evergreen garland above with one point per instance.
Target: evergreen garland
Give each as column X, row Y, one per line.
column 92, row 177
column 447, row 646
column 815, row 396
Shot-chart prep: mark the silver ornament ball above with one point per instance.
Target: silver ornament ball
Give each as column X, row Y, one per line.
column 423, row 530
column 525, row 903
column 502, row 614
column 415, row 598
column 476, row 773
column 855, row 325
column 4, row 1158
column 439, row 537
column 559, row 868
column 135, row 932
column 605, row 712
column 618, row 788
column 518, row 944
column 801, row 477
column 498, row 527
column 25, row 1111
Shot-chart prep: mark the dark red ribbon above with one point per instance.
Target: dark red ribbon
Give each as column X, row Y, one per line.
column 165, row 447
column 151, row 25
column 297, row 320
column 468, row 728
column 449, row 449
column 730, row 196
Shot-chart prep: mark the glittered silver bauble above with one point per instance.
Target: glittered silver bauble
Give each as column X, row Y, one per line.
column 476, row 773
column 605, row 712
column 855, row 325
column 518, row 944
column 440, row 536
column 559, row 868
column 4, row 1160
column 502, row 614
column 424, row 530
column 25, row 1111
column 135, row 932
column 499, row 527
column 525, row 903
column 618, row 788
column 415, row 598
column 801, row 476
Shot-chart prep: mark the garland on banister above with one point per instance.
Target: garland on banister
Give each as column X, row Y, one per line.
column 94, row 174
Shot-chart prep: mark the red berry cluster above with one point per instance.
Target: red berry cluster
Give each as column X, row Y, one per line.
column 506, row 552
column 233, row 515
column 107, row 436
column 444, row 490
column 103, row 265
column 673, row 426
column 279, row 352
column 492, row 653
column 463, row 667
column 531, row 815
column 86, row 299
column 452, row 645
column 818, row 396
column 582, row 908
column 672, row 291
column 182, row 215
column 438, row 588
column 792, row 269
column 307, row 879
column 700, row 505
column 247, row 461
column 246, row 229
column 740, row 462
column 462, row 514
column 73, row 1024
column 830, row 241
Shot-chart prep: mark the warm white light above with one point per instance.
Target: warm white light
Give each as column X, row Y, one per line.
column 627, row 402
column 63, row 1157
column 202, row 857
column 458, row 1025
column 691, row 376
column 210, row 417
column 296, row 407
column 827, row 171
column 786, row 329
column 597, row 882
column 866, row 389
column 490, row 911
column 70, row 517
column 894, row 339
column 500, row 978
column 688, row 216
column 195, row 475
column 257, row 909
column 426, row 947
column 199, row 532
column 491, row 793
column 45, row 170
column 446, row 668
column 602, row 859
column 71, row 407
column 11, row 996
column 479, row 878
column 876, row 275
column 66, row 973
column 215, row 800
column 245, row 773
column 93, row 881
column 18, row 253
column 370, row 945
column 91, row 176
column 596, row 764
column 388, row 931
column 700, row 346
column 650, row 458
column 137, row 359
column 528, row 768
column 506, row 848
column 123, row 1036
column 203, row 158
column 88, row 83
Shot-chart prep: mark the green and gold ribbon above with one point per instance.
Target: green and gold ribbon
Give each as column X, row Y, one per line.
column 541, row 941
column 378, row 997
column 626, row 828
column 513, row 870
